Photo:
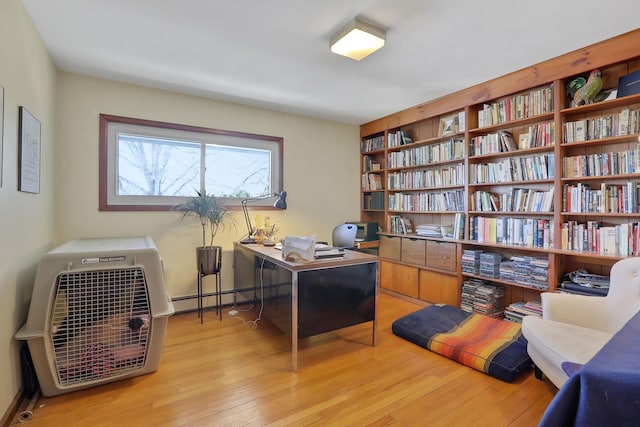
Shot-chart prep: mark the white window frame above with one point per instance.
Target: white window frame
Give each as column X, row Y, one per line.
column 112, row 126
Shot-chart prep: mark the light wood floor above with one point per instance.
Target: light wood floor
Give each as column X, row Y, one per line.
column 229, row 374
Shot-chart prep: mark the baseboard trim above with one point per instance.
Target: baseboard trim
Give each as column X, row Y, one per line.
column 12, row 410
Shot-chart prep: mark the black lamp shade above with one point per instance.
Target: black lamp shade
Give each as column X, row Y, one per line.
column 281, row 201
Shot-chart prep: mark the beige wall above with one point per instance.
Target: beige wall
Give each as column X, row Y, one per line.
column 26, row 220
column 321, row 175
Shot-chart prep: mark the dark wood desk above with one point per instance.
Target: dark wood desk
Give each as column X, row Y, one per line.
column 307, row 298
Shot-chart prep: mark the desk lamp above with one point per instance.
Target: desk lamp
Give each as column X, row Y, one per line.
column 280, row 203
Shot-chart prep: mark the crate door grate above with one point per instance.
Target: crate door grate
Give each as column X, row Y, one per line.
column 100, row 324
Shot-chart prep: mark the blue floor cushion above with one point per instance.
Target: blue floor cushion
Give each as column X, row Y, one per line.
column 493, row 346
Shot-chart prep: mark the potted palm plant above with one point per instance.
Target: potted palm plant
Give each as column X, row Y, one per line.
column 213, row 216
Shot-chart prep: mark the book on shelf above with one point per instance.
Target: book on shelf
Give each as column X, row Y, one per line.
column 623, row 123
column 507, row 140
column 458, row 226
column 371, row 182
column 608, row 241
column 400, row 225
column 398, row 138
column 373, row 201
column 374, row 143
column 629, row 84
column 462, row 122
column 369, row 163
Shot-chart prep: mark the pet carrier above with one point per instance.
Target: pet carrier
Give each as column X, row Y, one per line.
column 99, row 312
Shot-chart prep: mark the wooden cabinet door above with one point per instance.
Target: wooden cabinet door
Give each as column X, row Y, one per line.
column 439, row 288
column 399, row 278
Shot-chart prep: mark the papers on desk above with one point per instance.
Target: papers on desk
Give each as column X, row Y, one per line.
column 328, row 252
column 304, row 249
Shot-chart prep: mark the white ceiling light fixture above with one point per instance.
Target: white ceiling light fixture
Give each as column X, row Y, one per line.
column 357, row 40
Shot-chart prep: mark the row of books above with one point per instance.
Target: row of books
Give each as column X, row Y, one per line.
column 373, row 201
column 602, row 164
column 400, row 225
column 536, row 102
column 513, row 169
column 528, row 232
column 514, row 312
column 398, row 138
column 608, row 198
column 371, row 182
column 517, row 200
column 452, row 149
column 500, row 142
column 427, row 202
column 370, row 163
column 618, row 240
column 539, row 135
column 479, row 297
column 446, row 176
column 375, row 143
column 627, row 122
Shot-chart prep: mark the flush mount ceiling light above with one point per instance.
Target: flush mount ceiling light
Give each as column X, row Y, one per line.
column 357, row 40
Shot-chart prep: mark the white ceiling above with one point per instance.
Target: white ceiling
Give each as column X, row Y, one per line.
column 275, row 53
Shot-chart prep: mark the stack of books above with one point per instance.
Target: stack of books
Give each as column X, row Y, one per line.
column 517, row 310
column 529, row 271
column 540, row 273
column 490, row 264
column 522, row 270
column 430, row 230
column 507, row 271
column 488, row 300
column 468, row 294
column 471, row 261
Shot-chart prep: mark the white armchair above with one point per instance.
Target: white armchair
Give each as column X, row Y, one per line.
column 573, row 328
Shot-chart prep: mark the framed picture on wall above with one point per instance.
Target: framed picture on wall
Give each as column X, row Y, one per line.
column 1, row 130
column 28, row 152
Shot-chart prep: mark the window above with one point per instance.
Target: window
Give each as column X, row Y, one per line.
column 147, row 165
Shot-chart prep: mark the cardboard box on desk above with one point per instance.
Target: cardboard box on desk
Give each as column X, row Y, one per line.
column 629, row 84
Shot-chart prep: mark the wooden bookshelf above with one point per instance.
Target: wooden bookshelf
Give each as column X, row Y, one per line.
column 447, row 156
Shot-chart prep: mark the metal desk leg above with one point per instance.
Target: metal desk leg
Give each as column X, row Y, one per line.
column 294, row 321
column 375, row 310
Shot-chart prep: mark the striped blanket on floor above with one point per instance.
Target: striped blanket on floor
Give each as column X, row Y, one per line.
column 489, row 345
